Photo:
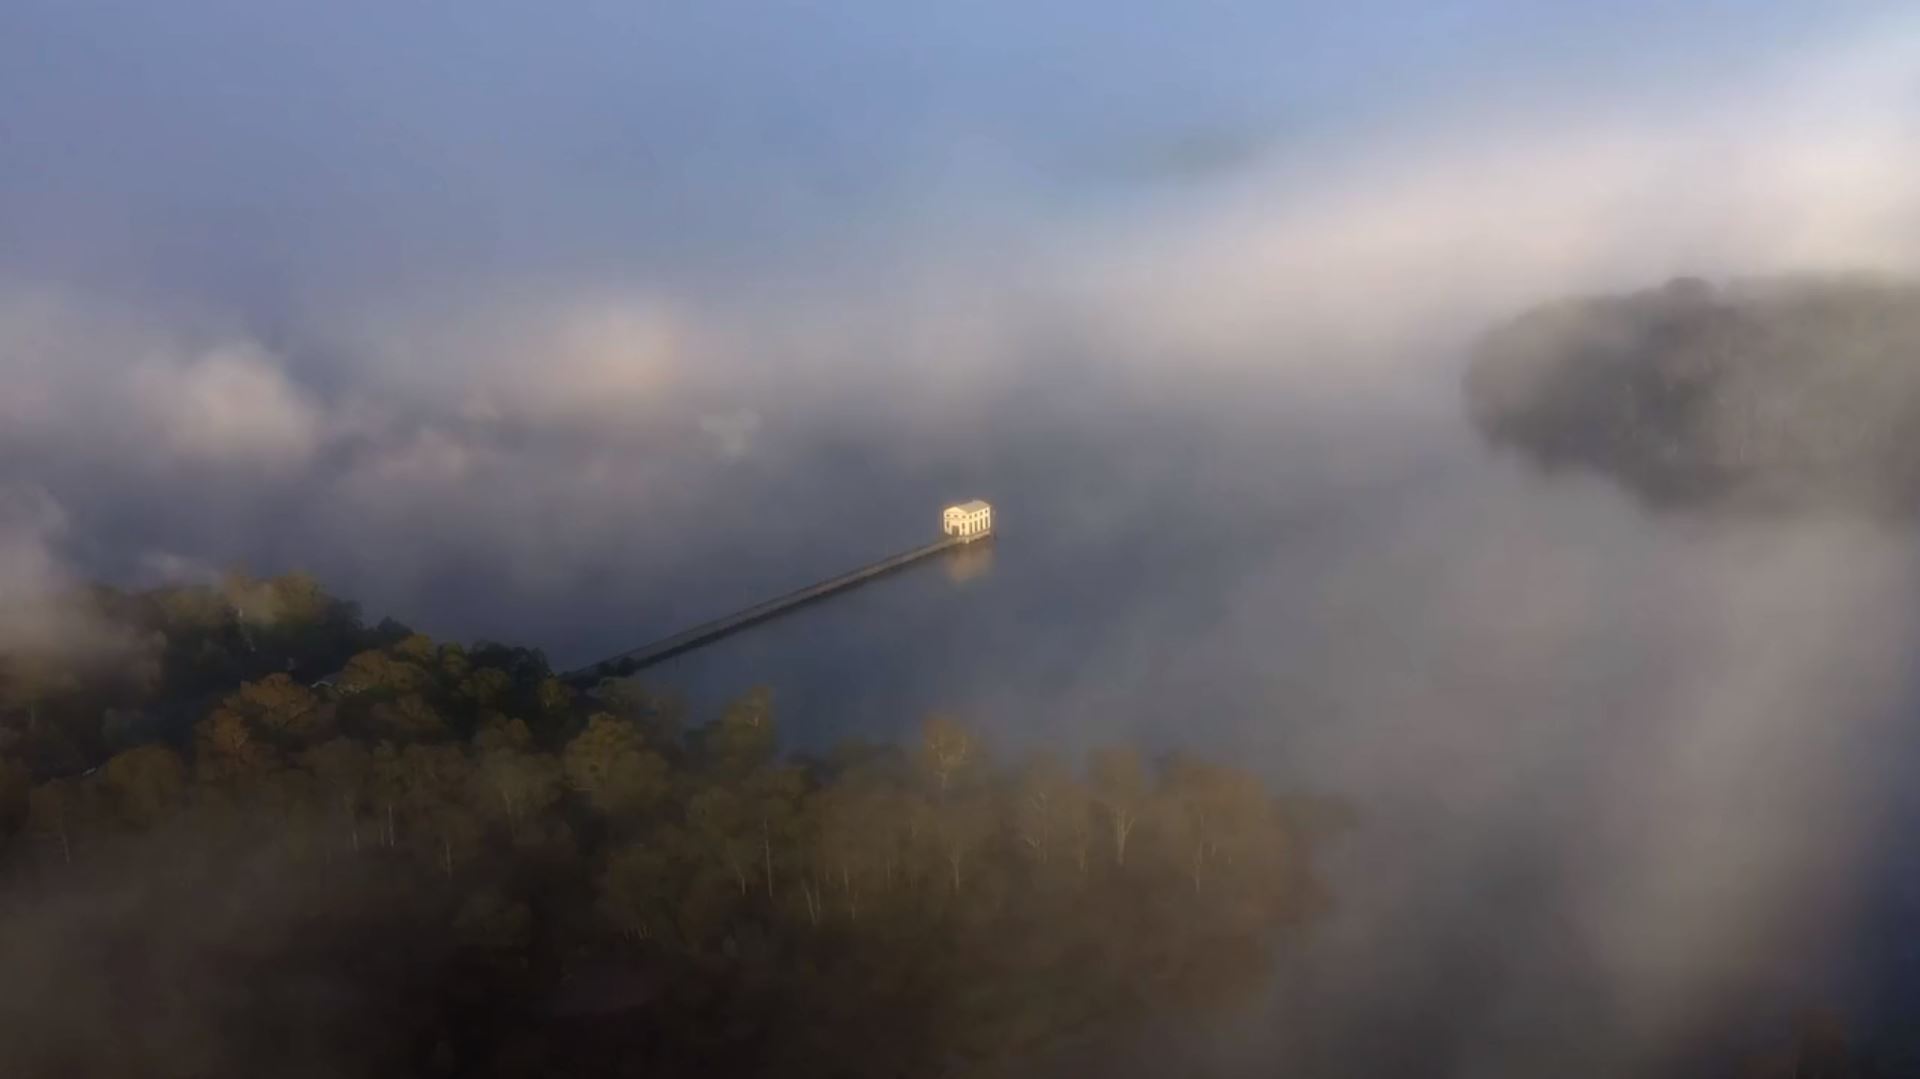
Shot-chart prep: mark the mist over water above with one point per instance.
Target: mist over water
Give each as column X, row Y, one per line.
column 1628, row 780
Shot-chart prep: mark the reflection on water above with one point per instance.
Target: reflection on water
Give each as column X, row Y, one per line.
column 964, row 564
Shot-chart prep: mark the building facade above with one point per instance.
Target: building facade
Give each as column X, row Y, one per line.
column 968, row 520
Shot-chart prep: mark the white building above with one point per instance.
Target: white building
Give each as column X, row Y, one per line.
column 968, row 520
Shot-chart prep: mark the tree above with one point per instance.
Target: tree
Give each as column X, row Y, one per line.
column 15, row 785
column 57, row 810
column 719, row 821
column 494, row 924
column 660, row 720
column 226, row 750
column 485, row 689
column 343, row 771
column 291, row 599
column 924, row 889
column 145, row 785
column 771, row 801
column 519, row 784
column 635, row 892
column 553, row 704
column 746, row 736
column 416, row 649
column 30, row 681
column 947, row 751
column 382, row 676
column 849, row 829
column 1051, row 816
column 435, row 780
column 1214, row 817
column 409, row 719
column 608, row 763
column 387, row 776
column 1120, row 789
column 279, row 711
column 963, row 824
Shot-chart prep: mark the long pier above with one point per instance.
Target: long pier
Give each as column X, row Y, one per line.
column 647, row 655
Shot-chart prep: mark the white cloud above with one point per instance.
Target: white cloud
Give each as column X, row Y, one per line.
column 732, row 432
column 232, row 405
column 1396, row 249
column 36, row 608
column 91, row 378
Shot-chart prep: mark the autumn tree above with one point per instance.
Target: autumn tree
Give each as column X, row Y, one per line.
column 15, row 784
column 635, row 892
column 610, row 765
column 278, row 712
column 720, row 823
column 343, row 770
column 228, row 751
column 144, row 785
column 435, row 781
column 1120, row 789
column 948, row 752
column 905, row 909
column 385, row 674
column 1051, row 814
column 409, row 719
column 518, row 783
column 661, row 720
column 745, row 738
column 58, row 809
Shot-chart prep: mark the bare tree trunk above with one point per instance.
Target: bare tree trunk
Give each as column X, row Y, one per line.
column 1123, row 823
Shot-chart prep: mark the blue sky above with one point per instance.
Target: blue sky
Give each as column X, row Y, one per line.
column 242, row 148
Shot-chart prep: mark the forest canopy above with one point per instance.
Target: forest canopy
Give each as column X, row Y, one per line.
column 255, row 836
column 1782, row 394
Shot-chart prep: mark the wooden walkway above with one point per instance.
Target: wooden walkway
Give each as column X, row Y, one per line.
column 647, row 655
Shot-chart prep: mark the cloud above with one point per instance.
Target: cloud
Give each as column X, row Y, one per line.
column 96, row 378
column 732, row 432
column 231, row 405
column 29, row 523
column 39, row 611
column 1394, row 249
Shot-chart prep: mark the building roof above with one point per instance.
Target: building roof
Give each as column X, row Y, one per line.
column 974, row 506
